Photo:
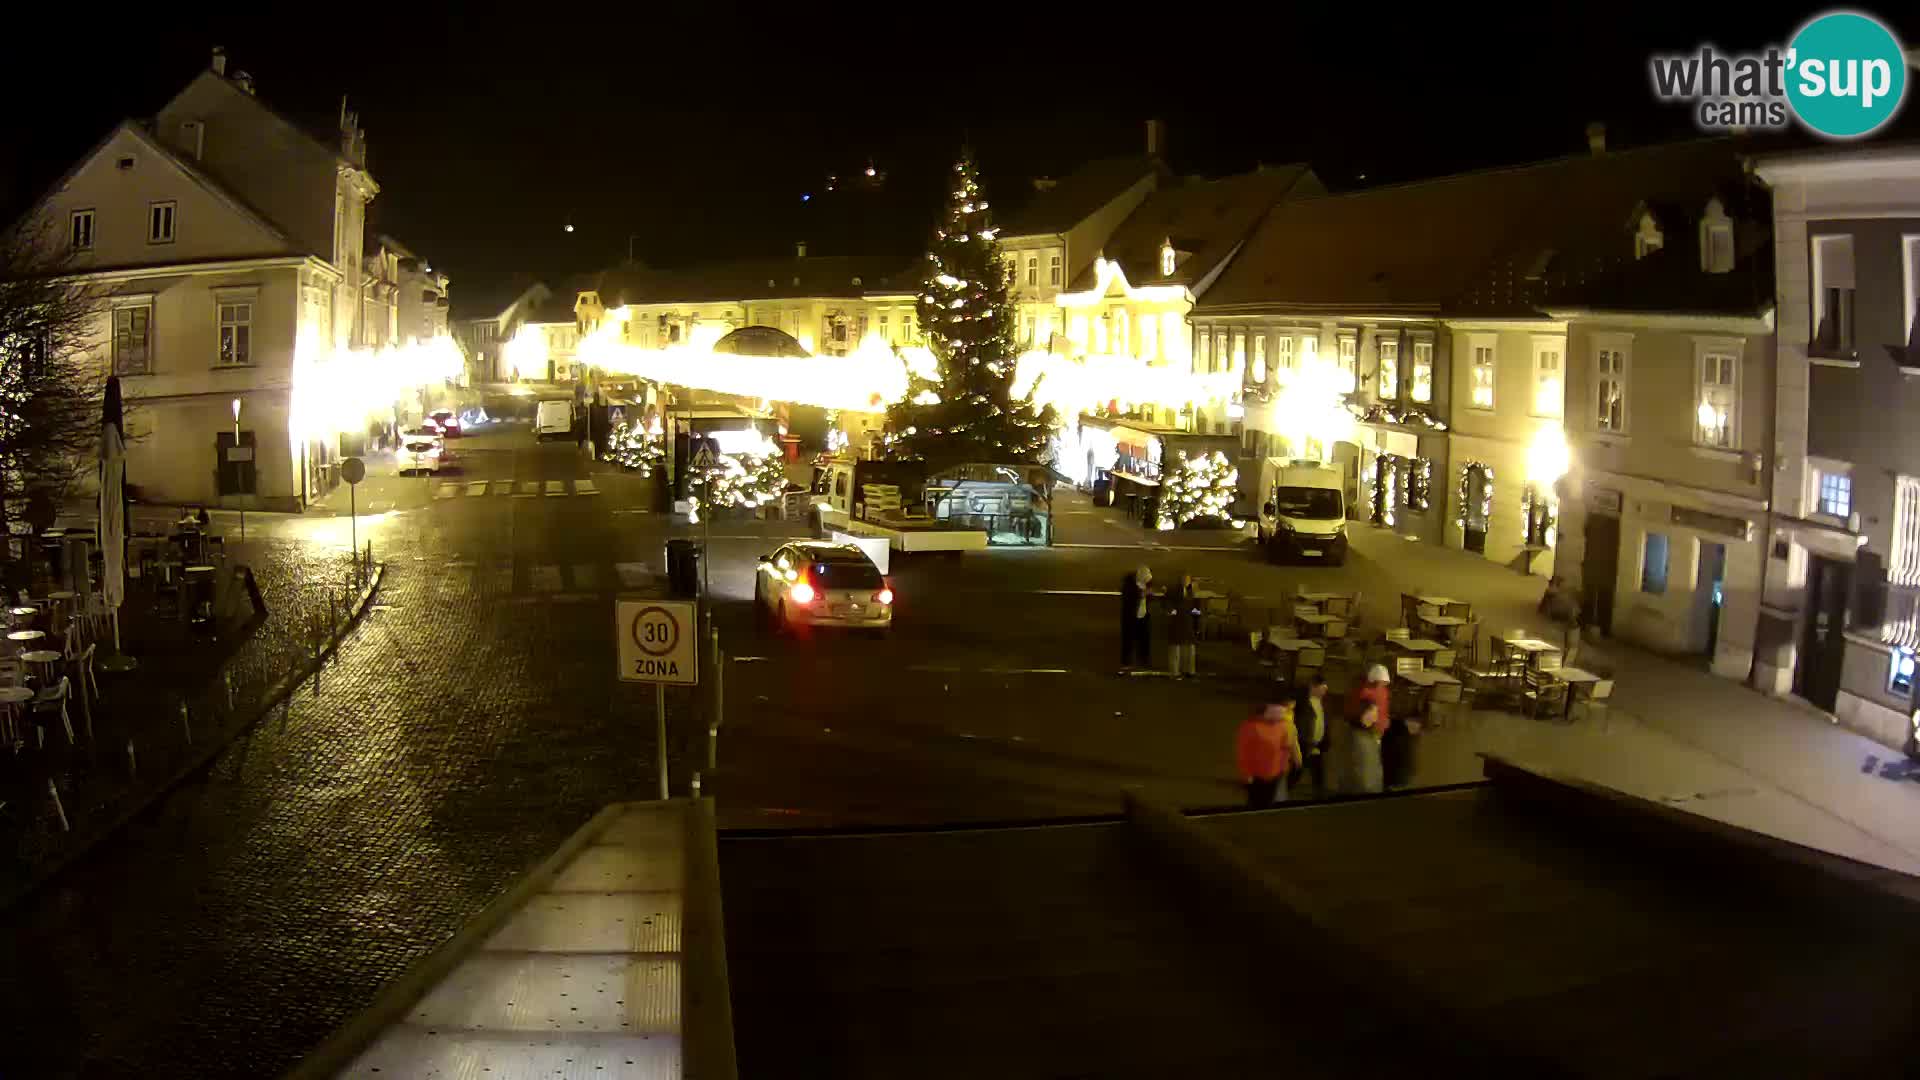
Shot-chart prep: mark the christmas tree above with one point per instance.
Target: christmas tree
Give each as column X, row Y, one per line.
column 1202, row 487
column 967, row 411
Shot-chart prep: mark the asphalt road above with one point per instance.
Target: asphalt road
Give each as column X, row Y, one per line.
column 474, row 721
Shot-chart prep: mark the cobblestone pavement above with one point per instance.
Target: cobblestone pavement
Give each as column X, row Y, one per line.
column 471, row 723
column 221, row 682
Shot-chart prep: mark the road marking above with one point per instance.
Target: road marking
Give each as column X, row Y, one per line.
column 503, row 487
column 633, row 510
column 446, row 491
column 585, row 487
column 633, row 575
column 935, row 668
column 1150, row 546
column 545, row 578
column 476, row 487
column 555, row 487
column 1075, row 592
column 528, row 489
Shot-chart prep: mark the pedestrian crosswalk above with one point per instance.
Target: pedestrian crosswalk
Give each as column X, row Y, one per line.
column 530, row 582
column 518, row 489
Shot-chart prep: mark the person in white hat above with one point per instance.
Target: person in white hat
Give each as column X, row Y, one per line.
column 1135, row 590
column 1366, row 723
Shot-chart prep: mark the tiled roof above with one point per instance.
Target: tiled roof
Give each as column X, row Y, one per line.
column 847, row 276
column 1495, row 242
column 1078, row 194
column 1205, row 219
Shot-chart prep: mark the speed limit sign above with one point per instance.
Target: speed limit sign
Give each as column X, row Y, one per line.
column 657, row 642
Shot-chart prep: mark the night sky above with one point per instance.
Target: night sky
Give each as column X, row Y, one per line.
column 691, row 140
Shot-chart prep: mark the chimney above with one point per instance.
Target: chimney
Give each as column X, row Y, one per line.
column 1596, row 138
column 800, row 250
column 219, row 60
column 1156, row 138
column 244, row 81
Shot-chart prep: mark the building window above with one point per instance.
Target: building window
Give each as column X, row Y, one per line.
column 1283, row 353
column 1053, row 269
column 1260, row 359
column 160, row 223
column 1422, row 389
column 1033, row 269
column 1222, row 359
column 1648, row 238
column 1549, row 391
column 1239, row 351
column 80, row 231
column 1166, row 260
column 1717, row 403
column 1388, row 388
column 132, row 340
column 1833, row 296
column 1203, row 343
column 1719, row 253
column 1910, row 271
column 1348, row 358
column 1309, row 352
column 1903, row 565
column 1149, row 337
column 1900, row 672
column 1610, row 386
column 1836, row 494
column 1483, row 372
column 1653, row 564
column 236, row 335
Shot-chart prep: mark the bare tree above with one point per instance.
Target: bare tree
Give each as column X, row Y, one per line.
column 51, row 383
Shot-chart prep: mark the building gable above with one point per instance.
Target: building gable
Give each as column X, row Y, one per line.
column 126, row 181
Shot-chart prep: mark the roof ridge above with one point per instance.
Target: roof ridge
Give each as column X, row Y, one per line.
column 1525, row 166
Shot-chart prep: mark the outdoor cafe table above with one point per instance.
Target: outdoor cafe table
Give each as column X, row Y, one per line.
column 1317, row 620
column 1416, row 645
column 1323, row 597
column 44, row 659
column 1438, row 601
column 24, row 636
column 11, row 698
column 1426, row 678
column 1578, row 680
column 1442, row 623
column 1533, row 647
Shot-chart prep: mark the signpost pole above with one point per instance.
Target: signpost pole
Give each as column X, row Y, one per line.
column 353, row 515
column 660, row 734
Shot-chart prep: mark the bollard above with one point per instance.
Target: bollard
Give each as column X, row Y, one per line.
column 133, row 762
column 185, row 724
column 57, row 808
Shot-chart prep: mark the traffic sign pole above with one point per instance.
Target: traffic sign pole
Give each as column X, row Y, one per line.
column 660, row 735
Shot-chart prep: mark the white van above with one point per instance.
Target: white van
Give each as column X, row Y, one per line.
column 554, row 419
column 1303, row 510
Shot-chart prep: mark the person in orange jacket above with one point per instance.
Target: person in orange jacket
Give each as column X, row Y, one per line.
column 1268, row 748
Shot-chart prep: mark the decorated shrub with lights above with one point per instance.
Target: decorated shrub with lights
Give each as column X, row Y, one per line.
column 1198, row 489
column 964, row 409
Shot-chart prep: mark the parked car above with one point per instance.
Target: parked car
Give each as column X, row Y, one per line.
column 816, row 583
column 447, row 421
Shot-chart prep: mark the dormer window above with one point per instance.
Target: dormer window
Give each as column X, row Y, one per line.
column 1716, row 239
column 1647, row 237
column 1167, row 259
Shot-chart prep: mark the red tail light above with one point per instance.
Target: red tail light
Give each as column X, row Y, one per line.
column 801, row 592
column 884, row 596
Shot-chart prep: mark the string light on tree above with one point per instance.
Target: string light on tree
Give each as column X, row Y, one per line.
column 1198, row 488
column 965, row 408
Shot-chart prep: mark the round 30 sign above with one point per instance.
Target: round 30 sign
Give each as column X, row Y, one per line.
column 656, row 641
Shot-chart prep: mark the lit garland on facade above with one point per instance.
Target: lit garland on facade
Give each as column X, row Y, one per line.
column 1203, row 487
column 1384, row 488
column 1420, row 484
column 1466, row 486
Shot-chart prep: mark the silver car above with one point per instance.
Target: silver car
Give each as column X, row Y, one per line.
column 817, row 583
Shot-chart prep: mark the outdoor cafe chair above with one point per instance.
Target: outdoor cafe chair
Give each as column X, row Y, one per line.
column 1597, row 696
column 1309, row 660
column 1545, row 696
column 12, row 672
column 1404, row 664
column 1441, row 660
column 54, row 698
column 83, row 671
column 1443, row 694
column 1339, row 605
column 1399, row 633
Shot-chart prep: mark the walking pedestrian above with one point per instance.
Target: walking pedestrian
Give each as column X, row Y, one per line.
column 1310, row 723
column 1367, row 716
column 1183, row 617
column 1396, row 750
column 1267, row 748
column 1135, row 591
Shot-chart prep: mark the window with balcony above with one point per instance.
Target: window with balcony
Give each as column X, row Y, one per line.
column 1480, row 394
column 1421, row 389
column 1388, row 386
column 133, row 340
column 1610, row 385
column 1832, row 297
column 1717, row 399
column 80, row 231
column 1549, row 388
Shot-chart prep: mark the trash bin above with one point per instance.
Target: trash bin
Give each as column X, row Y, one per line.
column 683, row 568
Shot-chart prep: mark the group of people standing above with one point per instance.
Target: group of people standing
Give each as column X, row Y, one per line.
column 1283, row 744
column 1137, row 595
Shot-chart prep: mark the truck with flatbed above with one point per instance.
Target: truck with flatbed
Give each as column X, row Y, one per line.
column 962, row 508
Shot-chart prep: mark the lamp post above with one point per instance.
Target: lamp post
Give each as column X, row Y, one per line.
column 236, row 452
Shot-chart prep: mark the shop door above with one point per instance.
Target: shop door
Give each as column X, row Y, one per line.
column 1475, row 536
column 1708, row 595
column 1599, row 570
column 1823, row 642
